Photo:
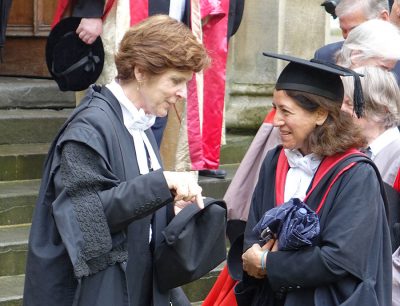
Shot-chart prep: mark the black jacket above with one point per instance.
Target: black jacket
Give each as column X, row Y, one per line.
column 351, row 263
column 89, row 240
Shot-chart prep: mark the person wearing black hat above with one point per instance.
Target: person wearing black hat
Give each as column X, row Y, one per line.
column 318, row 164
column 104, row 199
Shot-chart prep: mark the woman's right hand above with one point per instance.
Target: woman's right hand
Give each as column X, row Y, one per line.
column 252, row 259
column 184, row 187
column 89, row 29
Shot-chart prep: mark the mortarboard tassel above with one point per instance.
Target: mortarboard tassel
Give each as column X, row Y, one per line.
column 358, row 97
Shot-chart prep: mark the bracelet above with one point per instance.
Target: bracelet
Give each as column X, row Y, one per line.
column 264, row 259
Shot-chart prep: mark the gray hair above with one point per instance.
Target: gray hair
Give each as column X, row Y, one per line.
column 381, row 95
column 371, row 8
column 374, row 38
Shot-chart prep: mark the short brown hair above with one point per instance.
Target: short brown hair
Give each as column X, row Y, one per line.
column 159, row 43
column 337, row 134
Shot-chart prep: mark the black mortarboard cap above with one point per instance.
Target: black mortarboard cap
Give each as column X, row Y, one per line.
column 73, row 64
column 319, row 78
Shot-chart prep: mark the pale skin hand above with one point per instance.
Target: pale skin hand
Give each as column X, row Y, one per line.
column 89, row 29
column 184, row 188
column 179, row 205
column 252, row 258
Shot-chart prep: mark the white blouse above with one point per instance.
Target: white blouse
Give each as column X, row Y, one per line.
column 301, row 171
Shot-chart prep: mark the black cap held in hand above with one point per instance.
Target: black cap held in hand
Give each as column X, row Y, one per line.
column 318, row 78
column 73, row 64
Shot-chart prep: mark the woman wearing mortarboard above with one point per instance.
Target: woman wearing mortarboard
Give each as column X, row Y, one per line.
column 349, row 263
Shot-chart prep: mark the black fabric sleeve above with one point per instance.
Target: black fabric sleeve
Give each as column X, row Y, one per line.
column 88, row 8
column 86, row 176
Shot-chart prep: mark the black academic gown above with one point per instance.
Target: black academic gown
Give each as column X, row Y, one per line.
column 351, row 263
column 89, row 240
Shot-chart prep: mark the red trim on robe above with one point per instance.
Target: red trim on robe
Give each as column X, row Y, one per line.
column 331, row 184
column 282, row 168
column 270, row 116
column 326, row 165
column 107, row 8
column 139, row 10
column 215, row 40
column 222, row 293
column 62, row 6
column 193, row 127
column 396, row 184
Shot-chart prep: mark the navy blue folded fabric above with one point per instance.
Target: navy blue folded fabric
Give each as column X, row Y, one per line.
column 294, row 223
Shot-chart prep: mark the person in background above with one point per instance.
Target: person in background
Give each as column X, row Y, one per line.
column 338, row 267
column 379, row 125
column 352, row 13
column 395, row 13
column 105, row 199
column 114, row 17
column 374, row 42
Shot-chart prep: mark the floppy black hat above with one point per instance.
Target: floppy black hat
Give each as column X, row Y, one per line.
column 194, row 244
column 319, row 78
column 73, row 64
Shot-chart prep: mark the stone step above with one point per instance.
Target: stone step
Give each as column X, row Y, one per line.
column 11, row 288
column 21, row 126
column 33, row 93
column 17, row 200
column 214, row 187
column 235, row 148
column 13, row 249
column 198, row 290
column 22, row 161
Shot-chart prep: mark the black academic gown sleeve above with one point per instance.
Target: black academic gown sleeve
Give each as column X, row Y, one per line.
column 123, row 202
column 88, row 8
column 353, row 246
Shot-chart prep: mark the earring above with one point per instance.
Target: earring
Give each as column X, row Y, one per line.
column 139, row 84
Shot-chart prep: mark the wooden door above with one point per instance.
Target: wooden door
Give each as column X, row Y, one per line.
column 28, row 27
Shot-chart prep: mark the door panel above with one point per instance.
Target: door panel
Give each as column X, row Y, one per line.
column 28, row 27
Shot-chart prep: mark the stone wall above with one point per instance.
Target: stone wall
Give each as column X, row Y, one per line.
column 294, row 27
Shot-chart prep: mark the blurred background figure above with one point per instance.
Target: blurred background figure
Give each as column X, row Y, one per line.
column 352, row 13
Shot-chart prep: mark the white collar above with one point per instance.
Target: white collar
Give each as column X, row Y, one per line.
column 383, row 140
column 136, row 122
column 300, row 174
column 136, row 119
column 308, row 163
